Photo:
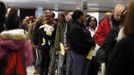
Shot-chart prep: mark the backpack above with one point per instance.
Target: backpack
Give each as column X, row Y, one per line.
column 13, row 63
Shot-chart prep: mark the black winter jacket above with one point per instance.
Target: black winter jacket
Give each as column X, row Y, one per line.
column 80, row 39
column 122, row 58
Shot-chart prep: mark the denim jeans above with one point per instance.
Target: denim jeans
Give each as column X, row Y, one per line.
column 38, row 60
column 61, row 64
column 53, row 63
column 69, row 63
column 80, row 64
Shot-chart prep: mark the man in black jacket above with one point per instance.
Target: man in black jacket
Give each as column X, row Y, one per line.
column 80, row 43
column 110, row 42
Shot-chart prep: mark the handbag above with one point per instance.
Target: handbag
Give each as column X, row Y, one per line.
column 100, row 55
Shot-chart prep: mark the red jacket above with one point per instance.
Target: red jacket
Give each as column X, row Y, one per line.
column 102, row 31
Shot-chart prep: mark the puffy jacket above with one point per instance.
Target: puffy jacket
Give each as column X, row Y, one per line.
column 105, row 26
column 15, row 40
column 102, row 31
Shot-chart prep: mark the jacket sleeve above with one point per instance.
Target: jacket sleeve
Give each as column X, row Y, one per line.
column 28, row 52
column 57, row 38
column 36, row 34
column 99, row 36
column 53, row 35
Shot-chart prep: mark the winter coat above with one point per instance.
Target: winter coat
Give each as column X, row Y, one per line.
column 15, row 40
column 122, row 59
column 59, row 38
column 105, row 26
column 46, row 34
column 36, row 33
column 80, row 39
column 102, row 31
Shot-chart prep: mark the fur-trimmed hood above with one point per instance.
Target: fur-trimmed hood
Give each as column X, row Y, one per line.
column 16, row 34
column 12, row 39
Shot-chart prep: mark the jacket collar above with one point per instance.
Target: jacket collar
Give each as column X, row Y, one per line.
column 80, row 24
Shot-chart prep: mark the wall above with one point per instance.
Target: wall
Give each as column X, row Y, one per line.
column 26, row 12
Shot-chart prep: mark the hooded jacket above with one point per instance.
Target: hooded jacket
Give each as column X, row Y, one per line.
column 15, row 40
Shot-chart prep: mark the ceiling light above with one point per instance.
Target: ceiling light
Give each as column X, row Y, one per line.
column 70, row 2
column 118, row 1
column 93, row 4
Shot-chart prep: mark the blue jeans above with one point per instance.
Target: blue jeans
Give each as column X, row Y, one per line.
column 38, row 60
column 53, row 63
column 69, row 63
column 60, row 64
column 80, row 64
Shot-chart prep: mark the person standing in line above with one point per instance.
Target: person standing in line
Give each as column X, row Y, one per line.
column 35, row 40
column 69, row 61
column 108, row 23
column 94, row 65
column 81, row 42
column 92, row 24
column 46, row 34
column 59, row 38
column 15, row 47
column 121, row 61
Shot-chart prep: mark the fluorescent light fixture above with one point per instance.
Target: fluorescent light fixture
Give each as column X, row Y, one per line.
column 70, row 2
column 94, row 8
column 41, row 0
column 118, row 1
column 93, row 4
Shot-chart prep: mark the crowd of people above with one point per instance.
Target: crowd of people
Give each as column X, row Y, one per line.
column 67, row 45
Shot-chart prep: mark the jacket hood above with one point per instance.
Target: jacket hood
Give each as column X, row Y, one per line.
column 16, row 34
column 12, row 39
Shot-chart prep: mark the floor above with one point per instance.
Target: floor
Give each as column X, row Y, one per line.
column 30, row 71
